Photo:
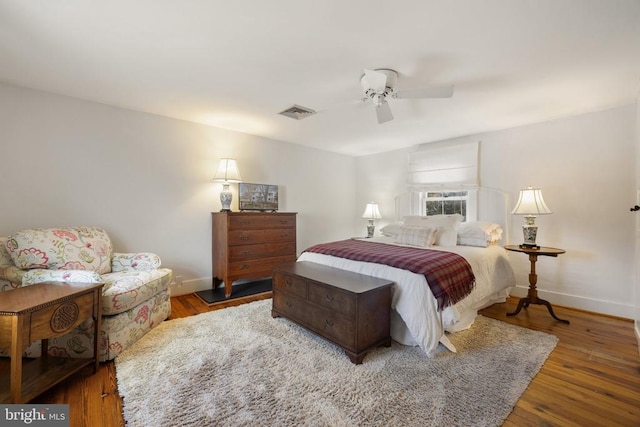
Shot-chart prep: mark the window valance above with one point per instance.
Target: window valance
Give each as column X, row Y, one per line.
column 444, row 164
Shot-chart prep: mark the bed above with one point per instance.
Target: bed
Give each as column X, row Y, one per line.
column 418, row 318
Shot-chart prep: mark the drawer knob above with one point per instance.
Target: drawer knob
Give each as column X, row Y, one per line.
column 288, row 282
column 288, row 304
column 244, row 266
column 329, row 322
column 245, row 252
column 244, row 237
column 329, row 297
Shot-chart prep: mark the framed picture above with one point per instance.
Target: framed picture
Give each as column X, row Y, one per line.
column 258, row 197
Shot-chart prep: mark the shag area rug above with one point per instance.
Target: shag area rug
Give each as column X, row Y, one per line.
column 241, row 367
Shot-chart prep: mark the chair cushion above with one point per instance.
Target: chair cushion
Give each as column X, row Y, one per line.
column 77, row 248
column 126, row 289
column 12, row 274
column 5, row 258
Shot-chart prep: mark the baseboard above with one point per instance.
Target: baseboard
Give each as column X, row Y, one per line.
column 190, row 286
column 587, row 304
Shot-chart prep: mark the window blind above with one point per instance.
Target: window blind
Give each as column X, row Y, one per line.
column 444, row 165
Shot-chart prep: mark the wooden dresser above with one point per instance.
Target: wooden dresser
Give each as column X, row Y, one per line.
column 349, row 309
column 247, row 245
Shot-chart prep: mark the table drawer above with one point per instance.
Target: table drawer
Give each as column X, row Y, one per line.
column 332, row 299
column 290, row 284
column 61, row 318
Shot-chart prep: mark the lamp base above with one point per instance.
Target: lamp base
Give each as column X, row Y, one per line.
column 530, row 232
column 370, row 229
column 225, row 198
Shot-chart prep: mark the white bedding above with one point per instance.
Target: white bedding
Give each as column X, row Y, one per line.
column 416, row 320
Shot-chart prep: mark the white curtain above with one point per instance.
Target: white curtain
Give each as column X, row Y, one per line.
column 443, row 164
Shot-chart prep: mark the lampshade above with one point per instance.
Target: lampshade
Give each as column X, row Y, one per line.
column 531, row 202
column 228, row 171
column 371, row 211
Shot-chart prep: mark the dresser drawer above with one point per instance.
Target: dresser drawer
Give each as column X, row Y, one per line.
column 281, row 235
column 247, row 237
column 290, row 306
column 337, row 328
column 281, row 221
column 242, row 222
column 290, row 284
column 243, row 252
column 250, row 267
column 332, row 299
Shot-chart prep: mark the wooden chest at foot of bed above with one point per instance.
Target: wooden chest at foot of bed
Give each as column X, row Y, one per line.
column 349, row 309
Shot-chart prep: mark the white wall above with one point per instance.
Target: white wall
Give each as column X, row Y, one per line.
column 148, row 179
column 585, row 166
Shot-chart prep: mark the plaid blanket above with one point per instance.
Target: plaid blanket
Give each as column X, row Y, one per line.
column 449, row 275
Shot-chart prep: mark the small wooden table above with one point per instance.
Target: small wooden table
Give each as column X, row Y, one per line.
column 532, row 295
column 39, row 312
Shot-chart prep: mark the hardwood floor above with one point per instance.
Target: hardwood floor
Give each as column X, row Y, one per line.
column 592, row 378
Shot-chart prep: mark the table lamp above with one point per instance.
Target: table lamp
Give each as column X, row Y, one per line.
column 530, row 204
column 227, row 172
column 371, row 212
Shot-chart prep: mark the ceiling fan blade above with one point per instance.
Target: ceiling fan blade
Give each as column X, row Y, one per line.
column 377, row 80
column 383, row 112
column 427, row 92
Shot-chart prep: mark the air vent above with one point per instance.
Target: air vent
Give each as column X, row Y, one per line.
column 297, row 112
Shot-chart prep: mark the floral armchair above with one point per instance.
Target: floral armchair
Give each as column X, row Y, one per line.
column 135, row 297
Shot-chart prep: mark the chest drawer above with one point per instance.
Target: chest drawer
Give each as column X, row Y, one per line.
column 242, row 222
column 251, row 267
column 332, row 299
column 291, row 284
column 249, row 237
column 280, row 235
column 331, row 325
column 242, row 252
column 291, row 306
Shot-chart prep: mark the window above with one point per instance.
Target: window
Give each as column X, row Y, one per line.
column 445, row 203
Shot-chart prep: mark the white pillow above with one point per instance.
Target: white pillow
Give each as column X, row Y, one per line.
column 447, row 226
column 391, row 230
column 417, row 236
column 479, row 233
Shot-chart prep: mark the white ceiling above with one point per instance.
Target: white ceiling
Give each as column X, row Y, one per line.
column 236, row 63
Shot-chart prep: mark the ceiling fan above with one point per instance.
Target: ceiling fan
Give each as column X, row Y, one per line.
column 379, row 84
